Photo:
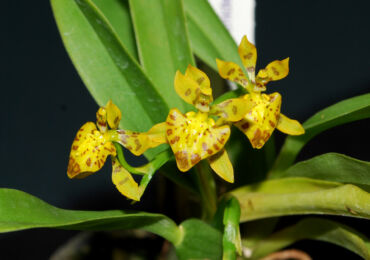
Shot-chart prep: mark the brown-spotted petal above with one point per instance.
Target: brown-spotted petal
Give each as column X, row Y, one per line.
column 193, row 88
column 289, row 126
column 89, row 151
column 124, row 181
column 221, row 164
column 101, row 119
column 194, row 137
column 232, row 110
column 276, row 70
column 261, row 120
column 248, row 54
column 231, row 71
column 113, row 115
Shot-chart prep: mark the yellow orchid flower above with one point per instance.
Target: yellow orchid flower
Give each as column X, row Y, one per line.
column 93, row 145
column 264, row 109
column 195, row 136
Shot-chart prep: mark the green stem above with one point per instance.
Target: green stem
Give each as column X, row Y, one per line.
column 207, row 190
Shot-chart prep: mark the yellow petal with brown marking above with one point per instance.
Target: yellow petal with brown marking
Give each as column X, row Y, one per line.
column 124, row 181
column 289, row 126
column 231, row 71
column 194, row 137
column 89, row 151
column 194, row 89
column 157, row 134
column 113, row 115
column 221, row 164
column 101, row 119
column 248, row 54
column 261, row 120
column 274, row 71
column 232, row 109
column 138, row 142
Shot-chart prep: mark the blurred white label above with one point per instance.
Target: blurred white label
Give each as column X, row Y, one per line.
column 238, row 17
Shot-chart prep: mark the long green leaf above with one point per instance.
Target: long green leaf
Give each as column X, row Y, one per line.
column 118, row 14
column 200, row 241
column 193, row 239
column 343, row 112
column 293, row 196
column 208, row 36
column 105, row 65
column 333, row 167
column 316, row 229
column 163, row 44
column 19, row 210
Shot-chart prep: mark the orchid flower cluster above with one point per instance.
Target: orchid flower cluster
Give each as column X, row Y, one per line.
column 193, row 136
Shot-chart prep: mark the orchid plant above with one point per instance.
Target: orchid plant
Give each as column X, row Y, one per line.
column 156, row 102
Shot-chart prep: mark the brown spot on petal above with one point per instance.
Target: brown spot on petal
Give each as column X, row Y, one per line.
column 88, row 162
column 138, row 145
column 216, row 147
column 245, row 125
column 76, row 168
column 173, row 117
column 231, row 71
column 248, row 56
column 200, row 80
column 276, row 72
column 188, row 92
column 209, row 151
column 75, row 147
column 235, row 110
column 272, row 124
column 123, row 181
column 169, row 131
column 174, row 140
column 195, row 158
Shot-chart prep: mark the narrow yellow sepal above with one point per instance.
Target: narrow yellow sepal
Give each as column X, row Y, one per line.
column 89, row 151
column 113, row 115
column 221, row 164
column 289, row 126
column 231, row 71
column 232, row 110
column 275, row 70
column 138, row 142
column 194, row 88
column 157, row 134
column 194, row 137
column 248, row 54
column 124, row 181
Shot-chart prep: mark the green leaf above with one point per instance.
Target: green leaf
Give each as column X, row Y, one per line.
column 231, row 238
column 192, row 239
column 293, row 196
column 105, row 65
column 316, row 229
column 200, row 241
column 162, row 44
column 343, row 112
column 118, row 14
column 208, row 36
column 19, row 210
column 333, row 167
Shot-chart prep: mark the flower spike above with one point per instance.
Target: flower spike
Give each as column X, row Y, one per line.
column 264, row 110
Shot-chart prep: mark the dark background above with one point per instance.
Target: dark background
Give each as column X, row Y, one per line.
column 44, row 102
